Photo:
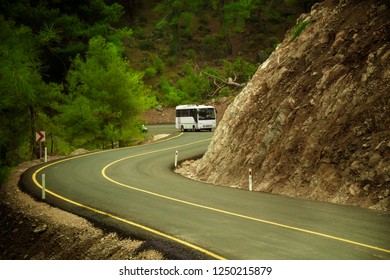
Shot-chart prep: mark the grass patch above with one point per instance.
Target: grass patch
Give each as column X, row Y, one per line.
column 298, row 30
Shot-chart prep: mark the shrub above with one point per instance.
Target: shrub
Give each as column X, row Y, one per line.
column 264, row 54
column 212, row 45
column 273, row 42
column 240, row 68
column 158, row 64
column 298, row 29
column 225, row 91
column 191, row 53
column 150, row 72
column 146, row 44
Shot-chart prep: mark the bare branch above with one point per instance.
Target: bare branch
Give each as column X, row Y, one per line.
column 232, row 82
column 219, row 87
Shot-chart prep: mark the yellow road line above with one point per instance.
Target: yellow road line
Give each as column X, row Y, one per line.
column 228, row 212
column 159, row 233
column 94, row 153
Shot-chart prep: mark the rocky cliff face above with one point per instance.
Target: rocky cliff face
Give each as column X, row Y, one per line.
column 314, row 121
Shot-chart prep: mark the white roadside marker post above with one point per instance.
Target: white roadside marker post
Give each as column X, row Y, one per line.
column 43, row 186
column 250, row 179
column 45, row 154
column 176, row 156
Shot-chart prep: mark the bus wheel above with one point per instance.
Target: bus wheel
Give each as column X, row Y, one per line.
column 193, row 128
column 182, row 129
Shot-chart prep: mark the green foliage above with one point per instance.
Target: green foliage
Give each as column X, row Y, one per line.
column 105, row 96
column 80, row 121
column 298, row 29
column 63, row 28
column 216, row 72
column 240, row 68
column 119, row 36
column 150, row 72
column 159, row 64
column 211, row 45
column 236, row 13
column 24, row 94
column 48, row 36
column 146, row 44
column 233, row 16
column 264, row 54
column 225, row 91
column 290, row 2
column 154, row 67
column 172, row 95
column 195, row 85
column 188, row 22
column 172, row 60
column 102, row 11
column 179, row 20
column 191, row 54
column 274, row 42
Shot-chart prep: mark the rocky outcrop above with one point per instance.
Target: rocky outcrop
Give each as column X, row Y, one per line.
column 314, row 121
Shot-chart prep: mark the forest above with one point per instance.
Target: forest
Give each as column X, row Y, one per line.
column 84, row 71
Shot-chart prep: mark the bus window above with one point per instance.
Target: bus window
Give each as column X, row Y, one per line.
column 206, row 114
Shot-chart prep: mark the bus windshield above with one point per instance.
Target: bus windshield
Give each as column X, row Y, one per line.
column 207, row 114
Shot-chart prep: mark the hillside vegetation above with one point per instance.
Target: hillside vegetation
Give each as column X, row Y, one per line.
column 84, row 71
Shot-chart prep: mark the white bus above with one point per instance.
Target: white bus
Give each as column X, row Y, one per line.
column 195, row 118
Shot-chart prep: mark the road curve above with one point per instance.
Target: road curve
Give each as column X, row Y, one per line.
column 135, row 191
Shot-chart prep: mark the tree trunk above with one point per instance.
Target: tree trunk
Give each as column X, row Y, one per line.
column 34, row 147
column 224, row 28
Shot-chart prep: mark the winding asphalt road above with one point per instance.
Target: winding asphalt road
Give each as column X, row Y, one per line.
column 135, row 190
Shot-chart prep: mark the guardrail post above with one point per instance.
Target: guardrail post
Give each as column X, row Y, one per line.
column 176, row 156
